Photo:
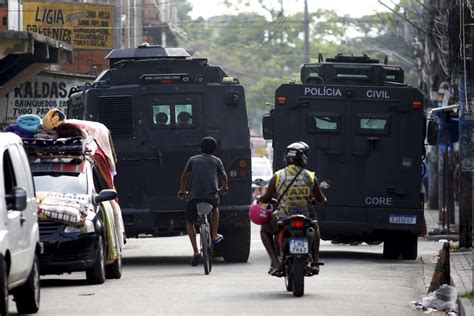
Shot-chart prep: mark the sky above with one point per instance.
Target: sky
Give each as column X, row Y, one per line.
column 355, row 8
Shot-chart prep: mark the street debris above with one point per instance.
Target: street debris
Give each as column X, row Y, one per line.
column 443, row 299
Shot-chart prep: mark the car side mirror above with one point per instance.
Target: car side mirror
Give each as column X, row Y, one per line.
column 17, row 200
column 267, row 126
column 105, row 195
column 432, row 132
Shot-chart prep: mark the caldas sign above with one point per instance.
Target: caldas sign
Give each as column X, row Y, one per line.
column 39, row 95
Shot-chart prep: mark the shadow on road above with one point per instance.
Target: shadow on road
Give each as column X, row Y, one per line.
column 62, row 282
column 161, row 260
column 280, row 295
column 355, row 255
column 360, row 256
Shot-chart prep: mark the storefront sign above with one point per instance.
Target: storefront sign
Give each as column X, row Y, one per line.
column 39, row 95
column 83, row 25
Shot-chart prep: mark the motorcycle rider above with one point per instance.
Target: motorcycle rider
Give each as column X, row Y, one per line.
column 297, row 199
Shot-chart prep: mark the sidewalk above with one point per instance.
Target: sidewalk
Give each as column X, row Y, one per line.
column 461, row 269
column 461, row 278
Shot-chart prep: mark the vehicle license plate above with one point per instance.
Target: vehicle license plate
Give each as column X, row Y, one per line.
column 41, row 245
column 402, row 219
column 298, row 245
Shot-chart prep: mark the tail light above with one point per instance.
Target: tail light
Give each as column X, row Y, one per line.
column 297, row 224
column 240, row 168
column 417, row 104
column 117, row 200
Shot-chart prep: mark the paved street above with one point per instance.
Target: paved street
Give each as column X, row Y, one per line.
column 157, row 279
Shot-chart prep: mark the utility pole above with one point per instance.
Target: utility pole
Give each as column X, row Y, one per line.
column 466, row 129
column 117, row 31
column 306, row 33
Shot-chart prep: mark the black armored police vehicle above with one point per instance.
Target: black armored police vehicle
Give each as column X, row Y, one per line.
column 158, row 104
column 365, row 130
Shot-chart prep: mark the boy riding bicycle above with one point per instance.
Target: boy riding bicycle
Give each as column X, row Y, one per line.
column 204, row 172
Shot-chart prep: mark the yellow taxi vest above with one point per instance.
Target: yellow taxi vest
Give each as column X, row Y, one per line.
column 300, row 193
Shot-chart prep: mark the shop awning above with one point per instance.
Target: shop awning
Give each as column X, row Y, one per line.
column 24, row 54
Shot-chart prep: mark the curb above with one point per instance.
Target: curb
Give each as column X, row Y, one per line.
column 465, row 307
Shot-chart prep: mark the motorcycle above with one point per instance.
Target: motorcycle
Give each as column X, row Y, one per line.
column 295, row 239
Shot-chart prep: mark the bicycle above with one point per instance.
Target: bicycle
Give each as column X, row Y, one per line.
column 203, row 209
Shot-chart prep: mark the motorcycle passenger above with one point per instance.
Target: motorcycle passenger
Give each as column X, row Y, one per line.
column 204, row 171
column 297, row 199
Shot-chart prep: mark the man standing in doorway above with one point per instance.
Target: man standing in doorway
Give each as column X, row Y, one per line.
column 204, row 172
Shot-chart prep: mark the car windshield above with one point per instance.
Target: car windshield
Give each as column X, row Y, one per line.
column 260, row 168
column 62, row 182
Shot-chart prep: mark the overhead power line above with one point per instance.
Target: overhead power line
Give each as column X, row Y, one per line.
column 404, row 18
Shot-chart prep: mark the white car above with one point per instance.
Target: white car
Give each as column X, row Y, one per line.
column 19, row 233
column 261, row 174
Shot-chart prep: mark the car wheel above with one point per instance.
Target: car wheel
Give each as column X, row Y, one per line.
column 114, row 270
column 27, row 296
column 4, row 286
column 96, row 273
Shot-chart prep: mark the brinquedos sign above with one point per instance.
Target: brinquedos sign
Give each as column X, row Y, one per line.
column 39, row 95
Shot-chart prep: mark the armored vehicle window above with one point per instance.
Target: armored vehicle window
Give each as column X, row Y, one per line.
column 371, row 124
column 323, row 123
column 352, row 73
column 173, row 115
column 161, row 115
column 184, row 114
column 326, row 122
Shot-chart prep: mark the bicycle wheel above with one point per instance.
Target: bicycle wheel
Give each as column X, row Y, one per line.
column 205, row 248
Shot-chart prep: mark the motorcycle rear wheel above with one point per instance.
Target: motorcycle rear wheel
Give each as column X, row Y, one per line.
column 298, row 276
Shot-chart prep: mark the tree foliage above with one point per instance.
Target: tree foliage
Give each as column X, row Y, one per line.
column 265, row 49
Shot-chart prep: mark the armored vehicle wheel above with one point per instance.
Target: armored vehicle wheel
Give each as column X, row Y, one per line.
column 27, row 296
column 96, row 273
column 4, row 286
column 390, row 247
column 237, row 244
column 409, row 246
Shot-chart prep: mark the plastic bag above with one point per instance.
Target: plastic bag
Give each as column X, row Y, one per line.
column 443, row 299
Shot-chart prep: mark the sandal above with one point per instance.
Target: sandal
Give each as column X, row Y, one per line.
column 195, row 260
column 275, row 268
column 218, row 240
column 315, row 266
